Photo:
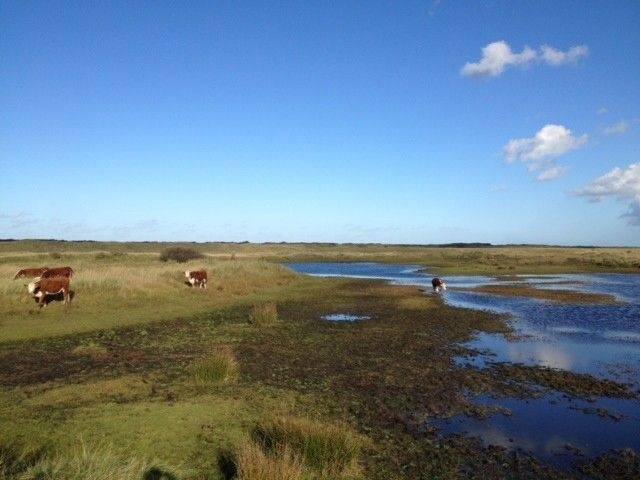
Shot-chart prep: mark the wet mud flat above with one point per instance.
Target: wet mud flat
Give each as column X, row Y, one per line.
column 560, row 361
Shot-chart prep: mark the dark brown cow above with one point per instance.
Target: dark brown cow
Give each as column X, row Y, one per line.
column 30, row 272
column 43, row 287
column 58, row 272
column 197, row 278
column 438, row 284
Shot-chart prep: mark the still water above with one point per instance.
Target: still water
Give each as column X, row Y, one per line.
column 601, row 340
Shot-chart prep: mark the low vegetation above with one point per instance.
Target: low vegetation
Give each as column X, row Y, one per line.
column 217, row 366
column 180, row 254
column 82, row 463
column 558, row 296
column 442, row 260
column 251, row 462
column 264, row 315
column 330, row 450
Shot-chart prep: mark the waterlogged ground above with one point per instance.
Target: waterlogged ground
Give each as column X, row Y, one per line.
column 600, row 339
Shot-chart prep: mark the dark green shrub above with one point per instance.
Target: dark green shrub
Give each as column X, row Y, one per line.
column 179, row 254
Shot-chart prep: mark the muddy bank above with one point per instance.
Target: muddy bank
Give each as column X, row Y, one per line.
column 558, row 296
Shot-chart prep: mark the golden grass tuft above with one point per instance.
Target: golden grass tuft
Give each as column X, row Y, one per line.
column 218, row 367
column 330, row 450
column 253, row 463
column 264, row 315
column 95, row 464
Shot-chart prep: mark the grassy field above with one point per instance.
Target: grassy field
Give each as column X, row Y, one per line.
column 144, row 377
column 490, row 260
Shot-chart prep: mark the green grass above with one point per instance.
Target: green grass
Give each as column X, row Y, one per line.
column 218, row 366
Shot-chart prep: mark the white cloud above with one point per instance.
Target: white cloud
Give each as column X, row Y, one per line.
column 550, row 142
column 551, row 173
column 554, row 57
column 602, row 111
column 616, row 129
column 539, row 152
column 498, row 56
column 621, row 184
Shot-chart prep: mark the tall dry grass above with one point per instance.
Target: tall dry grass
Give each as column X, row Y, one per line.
column 21, row 460
column 129, row 289
column 264, row 315
column 253, row 463
column 327, row 450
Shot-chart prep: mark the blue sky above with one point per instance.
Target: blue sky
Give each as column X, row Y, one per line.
column 321, row 121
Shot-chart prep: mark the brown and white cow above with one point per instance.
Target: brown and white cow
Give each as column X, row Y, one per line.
column 197, row 278
column 43, row 287
column 30, row 272
column 438, row 284
column 58, row 272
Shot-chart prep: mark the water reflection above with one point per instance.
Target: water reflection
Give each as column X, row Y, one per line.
column 553, row 427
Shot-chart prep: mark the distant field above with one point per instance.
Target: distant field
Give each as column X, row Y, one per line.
column 451, row 260
column 142, row 372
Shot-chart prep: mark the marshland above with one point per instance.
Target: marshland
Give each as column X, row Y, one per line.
column 142, row 376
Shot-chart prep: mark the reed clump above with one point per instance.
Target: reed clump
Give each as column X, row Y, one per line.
column 264, row 315
column 218, row 367
column 327, row 450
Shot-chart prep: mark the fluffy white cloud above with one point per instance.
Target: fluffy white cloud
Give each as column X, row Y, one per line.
column 616, row 129
column 618, row 183
column 498, row 56
column 539, row 152
column 554, row 57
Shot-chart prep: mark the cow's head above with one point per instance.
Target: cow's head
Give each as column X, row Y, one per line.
column 443, row 286
column 187, row 273
column 19, row 274
column 34, row 287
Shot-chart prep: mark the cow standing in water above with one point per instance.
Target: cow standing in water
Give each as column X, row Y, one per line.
column 197, row 278
column 438, row 284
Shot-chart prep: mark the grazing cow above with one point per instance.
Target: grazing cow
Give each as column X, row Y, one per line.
column 58, row 272
column 438, row 285
column 43, row 287
column 30, row 272
column 197, row 278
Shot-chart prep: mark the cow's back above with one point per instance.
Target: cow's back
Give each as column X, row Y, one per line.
column 58, row 272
